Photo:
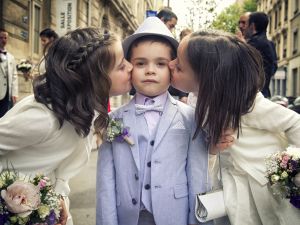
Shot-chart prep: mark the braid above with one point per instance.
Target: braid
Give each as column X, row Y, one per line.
column 85, row 51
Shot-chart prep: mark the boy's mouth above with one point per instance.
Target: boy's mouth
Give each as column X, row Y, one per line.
column 150, row 81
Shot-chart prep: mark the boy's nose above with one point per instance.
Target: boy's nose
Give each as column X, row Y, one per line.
column 150, row 69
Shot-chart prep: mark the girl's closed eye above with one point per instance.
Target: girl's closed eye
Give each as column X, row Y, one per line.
column 122, row 67
column 177, row 67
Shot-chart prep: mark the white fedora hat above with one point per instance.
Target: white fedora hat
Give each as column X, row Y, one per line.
column 150, row 26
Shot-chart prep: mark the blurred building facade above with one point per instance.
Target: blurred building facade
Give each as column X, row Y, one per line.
column 24, row 19
column 284, row 31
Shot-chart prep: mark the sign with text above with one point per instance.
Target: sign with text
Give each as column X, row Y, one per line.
column 66, row 15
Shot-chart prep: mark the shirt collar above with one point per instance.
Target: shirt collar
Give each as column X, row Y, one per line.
column 159, row 100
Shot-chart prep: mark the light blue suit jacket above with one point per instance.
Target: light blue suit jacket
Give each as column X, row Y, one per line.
column 178, row 170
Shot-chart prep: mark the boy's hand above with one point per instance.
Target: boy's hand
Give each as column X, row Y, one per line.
column 225, row 141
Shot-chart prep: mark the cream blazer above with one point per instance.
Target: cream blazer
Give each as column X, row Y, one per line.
column 30, row 140
column 12, row 78
column 267, row 129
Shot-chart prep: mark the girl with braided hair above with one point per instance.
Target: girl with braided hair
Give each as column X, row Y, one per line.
column 49, row 132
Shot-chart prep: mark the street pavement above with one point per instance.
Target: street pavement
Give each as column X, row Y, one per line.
column 83, row 194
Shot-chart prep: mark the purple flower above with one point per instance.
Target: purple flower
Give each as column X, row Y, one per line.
column 295, row 201
column 3, row 218
column 293, row 164
column 51, row 218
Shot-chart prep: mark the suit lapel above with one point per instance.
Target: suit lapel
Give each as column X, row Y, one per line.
column 166, row 120
column 129, row 120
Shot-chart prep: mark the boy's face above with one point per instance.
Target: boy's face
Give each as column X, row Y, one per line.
column 151, row 74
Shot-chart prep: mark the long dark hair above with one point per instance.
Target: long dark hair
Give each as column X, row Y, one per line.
column 229, row 73
column 76, row 83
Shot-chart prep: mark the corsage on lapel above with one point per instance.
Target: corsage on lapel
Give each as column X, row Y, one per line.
column 117, row 131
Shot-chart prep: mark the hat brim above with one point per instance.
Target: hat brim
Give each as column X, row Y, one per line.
column 129, row 40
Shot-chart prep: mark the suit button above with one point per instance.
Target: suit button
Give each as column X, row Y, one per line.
column 134, row 201
column 136, row 177
column 152, row 142
column 149, row 164
column 147, row 186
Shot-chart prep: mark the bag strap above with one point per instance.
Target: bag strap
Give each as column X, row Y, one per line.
column 220, row 170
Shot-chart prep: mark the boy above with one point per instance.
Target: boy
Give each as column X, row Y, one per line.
column 153, row 180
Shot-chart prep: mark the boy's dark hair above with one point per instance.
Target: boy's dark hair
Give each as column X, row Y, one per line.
column 2, row 29
column 49, row 33
column 230, row 73
column 152, row 38
column 260, row 20
column 76, row 82
column 166, row 14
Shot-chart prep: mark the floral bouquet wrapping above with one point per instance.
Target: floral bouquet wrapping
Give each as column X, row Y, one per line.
column 27, row 201
column 24, row 66
column 283, row 172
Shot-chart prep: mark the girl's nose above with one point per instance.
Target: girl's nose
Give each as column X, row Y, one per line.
column 172, row 64
column 129, row 66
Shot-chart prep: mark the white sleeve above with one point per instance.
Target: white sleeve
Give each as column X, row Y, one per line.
column 275, row 118
column 25, row 128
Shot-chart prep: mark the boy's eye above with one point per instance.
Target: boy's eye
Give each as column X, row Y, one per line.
column 139, row 63
column 161, row 64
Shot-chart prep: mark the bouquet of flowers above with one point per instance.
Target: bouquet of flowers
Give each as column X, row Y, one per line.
column 283, row 173
column 24, row 66
column 25, row 201
column 117, row 131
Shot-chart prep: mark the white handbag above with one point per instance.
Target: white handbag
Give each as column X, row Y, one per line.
column 210, row 205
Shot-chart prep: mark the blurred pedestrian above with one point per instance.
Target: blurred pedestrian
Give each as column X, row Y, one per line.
column 255, row 34
column 296, row 105
column 50, row 132
column 168, row 17
column 8, row 76
column 47, row 36
column 243, row 25
column 280, row 100
column 184, row 33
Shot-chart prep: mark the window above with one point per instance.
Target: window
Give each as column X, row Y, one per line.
column 296, row 6
column 86, row 10
column 279, row 16
column 286, row 9
column 295, row 81
column 278, row 48
column 36, row 28
column 278, row 87
column 295, row 41
column 270, row 24
column 276, row 19
column 284, row 49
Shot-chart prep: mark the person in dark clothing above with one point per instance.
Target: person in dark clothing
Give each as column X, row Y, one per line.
column 256, row 36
